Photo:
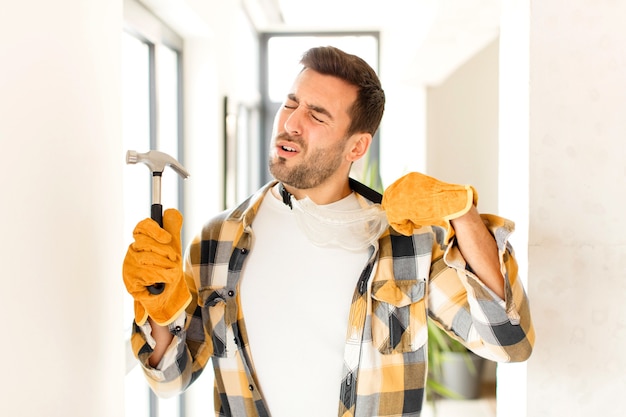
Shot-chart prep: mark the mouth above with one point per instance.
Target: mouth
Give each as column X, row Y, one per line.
column 288, row 148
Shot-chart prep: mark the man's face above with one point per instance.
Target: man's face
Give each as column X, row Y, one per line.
column 309, row 141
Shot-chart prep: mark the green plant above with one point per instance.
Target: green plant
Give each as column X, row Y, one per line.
column 439, row 343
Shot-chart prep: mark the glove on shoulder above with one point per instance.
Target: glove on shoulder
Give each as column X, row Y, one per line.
column 417, row 200
column 155, row 256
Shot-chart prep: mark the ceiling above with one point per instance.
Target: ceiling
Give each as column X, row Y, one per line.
column 435, row 36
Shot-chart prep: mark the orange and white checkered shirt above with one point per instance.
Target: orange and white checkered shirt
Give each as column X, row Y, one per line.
column 406, row 279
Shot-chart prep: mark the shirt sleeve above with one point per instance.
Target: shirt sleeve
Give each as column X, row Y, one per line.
column 171, row 376
column 497, row 329
column 185, row 358
column 169, row 357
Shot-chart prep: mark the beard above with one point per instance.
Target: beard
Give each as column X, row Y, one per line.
column 318, row 165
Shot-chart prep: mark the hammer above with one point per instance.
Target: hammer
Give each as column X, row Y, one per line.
column 156, row 161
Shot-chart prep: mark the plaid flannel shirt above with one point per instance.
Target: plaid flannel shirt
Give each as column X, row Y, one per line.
column 405, row 279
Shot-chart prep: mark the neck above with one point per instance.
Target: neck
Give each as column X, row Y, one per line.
column 321, row 195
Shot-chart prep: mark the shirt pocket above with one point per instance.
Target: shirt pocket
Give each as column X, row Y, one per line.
column 399, row 315
column 220, row 312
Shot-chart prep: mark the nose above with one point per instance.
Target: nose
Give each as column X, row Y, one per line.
column 293, row 122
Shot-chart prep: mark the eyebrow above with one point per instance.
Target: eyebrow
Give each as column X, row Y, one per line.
column 313, row 107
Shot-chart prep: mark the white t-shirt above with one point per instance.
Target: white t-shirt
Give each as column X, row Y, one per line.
column 296, row 299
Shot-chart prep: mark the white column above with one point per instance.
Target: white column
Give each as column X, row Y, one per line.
column 61, row 210
column 513, row 173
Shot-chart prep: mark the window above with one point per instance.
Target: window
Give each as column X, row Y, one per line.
column 152, row 119
column 280, row 56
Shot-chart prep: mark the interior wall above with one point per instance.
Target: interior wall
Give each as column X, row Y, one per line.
column 577, row 246
column 60, row 130
column 462, row 127
column 403, row 127
column 61, row 211
column 60, row 122
column 222, row 61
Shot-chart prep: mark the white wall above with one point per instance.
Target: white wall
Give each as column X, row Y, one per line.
column 60, row 286
column 60, row 134
column 562, row 176
column 564, row 68
column 404, row 122
column 577, row 247
column 462, row 127
column 220, row 59
column 60, row 121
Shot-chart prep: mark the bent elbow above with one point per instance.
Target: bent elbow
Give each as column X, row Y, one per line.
column 520, row 352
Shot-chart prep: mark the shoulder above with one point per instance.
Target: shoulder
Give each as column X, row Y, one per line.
column 234, row 218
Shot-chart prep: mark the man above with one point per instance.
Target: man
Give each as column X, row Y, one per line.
column 307, row 302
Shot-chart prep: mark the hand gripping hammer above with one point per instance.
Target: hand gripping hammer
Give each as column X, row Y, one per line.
column 156, row 161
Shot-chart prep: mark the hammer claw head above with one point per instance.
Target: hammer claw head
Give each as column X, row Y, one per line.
column 180, row 170
column 131, row 157
column 156, row 161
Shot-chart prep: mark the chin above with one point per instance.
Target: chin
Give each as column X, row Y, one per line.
column 276, row 171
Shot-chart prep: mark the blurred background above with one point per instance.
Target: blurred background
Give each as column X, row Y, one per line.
column 523, row 99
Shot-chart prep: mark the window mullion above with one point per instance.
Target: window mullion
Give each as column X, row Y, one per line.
column 154, row 109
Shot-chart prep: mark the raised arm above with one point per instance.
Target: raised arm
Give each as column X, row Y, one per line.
column 474, row 290
column 479, row 249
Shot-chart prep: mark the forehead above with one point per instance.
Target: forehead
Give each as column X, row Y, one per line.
column 329, row 92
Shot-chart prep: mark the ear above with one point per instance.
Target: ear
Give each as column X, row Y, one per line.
column 359, row 144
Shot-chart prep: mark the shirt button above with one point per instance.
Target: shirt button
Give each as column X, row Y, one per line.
column 177, row 329
column 231, row 293
column 250, row 387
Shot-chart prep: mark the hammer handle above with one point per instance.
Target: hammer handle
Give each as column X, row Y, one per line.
column 156, row 213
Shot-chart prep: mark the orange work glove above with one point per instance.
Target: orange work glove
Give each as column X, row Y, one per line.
column 417, row 200
column 155, row 257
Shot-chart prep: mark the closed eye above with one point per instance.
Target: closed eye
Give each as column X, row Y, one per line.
column 316, row 118
column 317, row 113
column 291, row 102
column 323, row 114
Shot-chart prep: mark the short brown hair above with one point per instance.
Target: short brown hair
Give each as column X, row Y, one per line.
column 367, row 111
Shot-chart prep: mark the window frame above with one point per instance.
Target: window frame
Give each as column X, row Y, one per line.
column 143, row 25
